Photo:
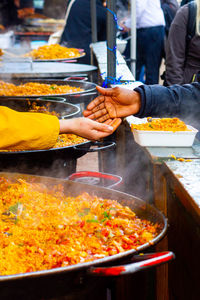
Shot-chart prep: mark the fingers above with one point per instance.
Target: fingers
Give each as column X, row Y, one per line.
column 115, row 123
column 95, row 102
column 103, row 127
column 87, row 113
column 103, row 118
column 101, row 98
column 104, row 92
column 100, row 130
column 99, row 116
column 99, row 107
column 96, row 111
column 108, row 122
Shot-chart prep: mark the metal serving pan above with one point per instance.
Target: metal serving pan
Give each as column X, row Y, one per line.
column 63, row 109
column 73, row 59
column 37, row 70
column 85, row 85
column 13, row 53
column 141, row 208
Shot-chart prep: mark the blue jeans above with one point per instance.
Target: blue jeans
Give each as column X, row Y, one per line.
column 150, row 44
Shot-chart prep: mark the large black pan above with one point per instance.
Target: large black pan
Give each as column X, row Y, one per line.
column 56, row 162
column 141, row 208
column 86, row 86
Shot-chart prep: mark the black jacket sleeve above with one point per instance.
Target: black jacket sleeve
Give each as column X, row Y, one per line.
column 26, row 3
column 176, row 100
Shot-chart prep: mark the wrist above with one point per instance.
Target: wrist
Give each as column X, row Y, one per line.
column 136, row 105
column 65, row 126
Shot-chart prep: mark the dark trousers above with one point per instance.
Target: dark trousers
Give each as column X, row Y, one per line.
column 150, row 44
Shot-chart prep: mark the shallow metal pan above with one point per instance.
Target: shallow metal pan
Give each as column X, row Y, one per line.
column 73, row 59
column 12, row 53
column 43, row 70
column 86, row 86
column 64, row 109
column 71, row 188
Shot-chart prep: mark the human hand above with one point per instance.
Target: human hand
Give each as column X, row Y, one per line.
column 125, row 24
column 87, row 128
column 113, row 103
column 124, row 27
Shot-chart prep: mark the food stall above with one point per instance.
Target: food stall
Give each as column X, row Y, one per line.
column 148, row 173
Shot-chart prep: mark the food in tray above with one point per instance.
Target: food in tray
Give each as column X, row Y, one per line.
column 41, row 228
column 1, row 52
column 36, row 89
column 55, row 51
column 164, row 124
column 166, row 132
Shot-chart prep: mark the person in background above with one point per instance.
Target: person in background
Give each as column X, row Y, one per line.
column 27, row 131
column 170, row 8
column 8, row 13
column 183, row 45
column 12, row 11
column 150, row 25
column 77, row 32
column 147, row 100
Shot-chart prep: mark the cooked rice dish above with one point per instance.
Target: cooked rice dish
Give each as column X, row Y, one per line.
column 41, row 228
column 36, row 89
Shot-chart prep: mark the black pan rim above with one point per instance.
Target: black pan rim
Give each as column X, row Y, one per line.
column 101, row 261
column 6, row 152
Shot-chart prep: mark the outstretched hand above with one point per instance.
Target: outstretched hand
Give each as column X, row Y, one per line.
column 113, row 103
column 87, row 128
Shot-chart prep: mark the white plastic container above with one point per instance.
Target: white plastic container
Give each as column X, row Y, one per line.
column 7, row 40
column 147, row 138
column 121, row 45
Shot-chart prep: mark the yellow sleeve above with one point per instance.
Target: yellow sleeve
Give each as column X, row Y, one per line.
column 24, row 130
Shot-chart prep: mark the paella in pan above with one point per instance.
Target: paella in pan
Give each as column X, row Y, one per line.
column 54, row 52
column 64, row 140
column 35, row 89
column 42, row 228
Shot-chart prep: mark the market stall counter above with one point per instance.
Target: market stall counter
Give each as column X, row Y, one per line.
column 173, row 178
column 167, row 177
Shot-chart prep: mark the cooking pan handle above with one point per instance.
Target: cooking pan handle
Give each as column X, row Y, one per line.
column 117, row 179
column 83, row 95
column 99, row 146
column 142, row 262
column 79, row 78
